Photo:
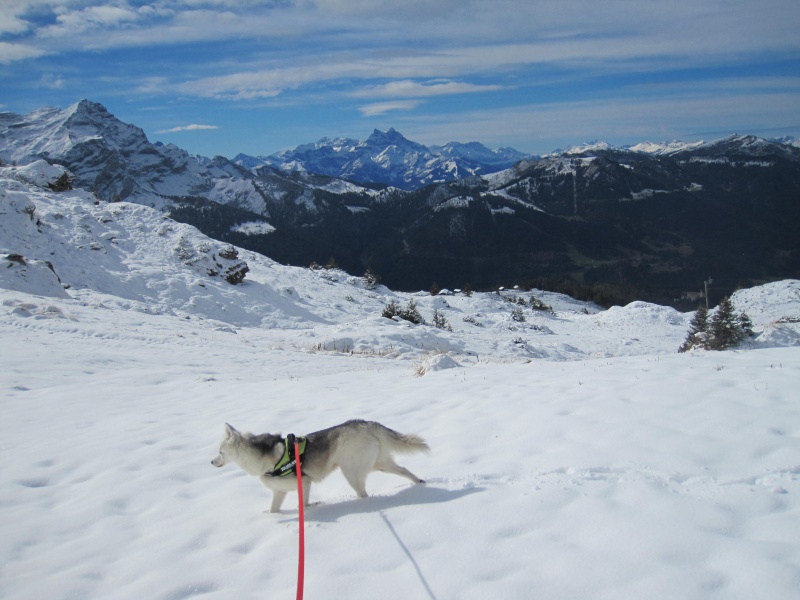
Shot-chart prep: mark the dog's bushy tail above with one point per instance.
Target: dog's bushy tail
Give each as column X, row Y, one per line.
column 405, row 443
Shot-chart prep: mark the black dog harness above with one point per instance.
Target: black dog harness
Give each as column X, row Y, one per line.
column 286, row 464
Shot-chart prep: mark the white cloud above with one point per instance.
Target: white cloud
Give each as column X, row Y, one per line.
column 13, row 52
column 53, row 82
column 379, row 108
column 413, row 89
column 620, row 120
column 192, row 127
column 553, row 30
column 10, row 22
column 92, row 18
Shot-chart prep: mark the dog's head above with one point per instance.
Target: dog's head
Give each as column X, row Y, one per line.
column 228, row 448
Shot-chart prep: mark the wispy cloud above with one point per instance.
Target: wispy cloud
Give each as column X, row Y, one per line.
column 413, row 89
column 192, row 127
column 53, row 82
column 380, row 108
column 615, row 120
column 10, row 52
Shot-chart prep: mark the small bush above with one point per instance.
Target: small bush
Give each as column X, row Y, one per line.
column 409, row 313
column 439, row 321
column 537, row 304
column 472, row 321
column 391, row 310
column 370, row 280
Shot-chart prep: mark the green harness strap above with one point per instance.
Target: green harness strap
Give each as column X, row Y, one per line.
column 286, row 464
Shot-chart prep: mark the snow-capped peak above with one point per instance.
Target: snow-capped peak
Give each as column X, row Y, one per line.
column 587, row 148
column 665, row 148
column 390, row 158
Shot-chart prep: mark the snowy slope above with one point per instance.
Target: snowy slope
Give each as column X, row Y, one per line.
column 575, row 454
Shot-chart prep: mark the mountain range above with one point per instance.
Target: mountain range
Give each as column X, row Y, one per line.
column 389, row 158
column 646, row 221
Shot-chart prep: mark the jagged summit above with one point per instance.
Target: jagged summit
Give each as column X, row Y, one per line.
column 116, row 161
column 88, row 108
column 388, row 157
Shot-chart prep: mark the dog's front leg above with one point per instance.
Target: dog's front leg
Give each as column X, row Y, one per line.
column 277, row 500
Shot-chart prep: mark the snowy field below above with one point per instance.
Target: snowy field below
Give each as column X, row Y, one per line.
column 655, row 476
column 575, row 453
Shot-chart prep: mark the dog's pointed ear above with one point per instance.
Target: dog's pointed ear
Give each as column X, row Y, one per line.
column 230, row 431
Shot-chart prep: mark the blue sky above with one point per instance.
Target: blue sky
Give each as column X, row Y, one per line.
column 223, row 76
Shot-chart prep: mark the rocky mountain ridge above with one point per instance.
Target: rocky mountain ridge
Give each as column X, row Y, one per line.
column 653, row 219
column 389, row 158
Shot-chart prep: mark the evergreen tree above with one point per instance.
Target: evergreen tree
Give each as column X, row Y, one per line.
column 723, row 328
column 411, row 313
column 517, row 315
column 721, row 331
column 537, row 304
column 698, row 327
column 440, row 321
column 370, row 279
column 391, row 310
column 745, row 326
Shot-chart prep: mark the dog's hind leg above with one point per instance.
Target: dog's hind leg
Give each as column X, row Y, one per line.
column 277, row 500
column 306, row 490
column 387, row 465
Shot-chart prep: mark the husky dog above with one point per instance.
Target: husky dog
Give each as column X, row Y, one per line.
column 356, row 447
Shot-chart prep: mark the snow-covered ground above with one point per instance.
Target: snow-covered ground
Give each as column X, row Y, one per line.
column 575, row 453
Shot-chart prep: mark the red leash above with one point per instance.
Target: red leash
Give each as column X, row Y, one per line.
column 301, row 517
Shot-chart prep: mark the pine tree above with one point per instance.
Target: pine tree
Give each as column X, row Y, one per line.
column 411, row 313
column 440, row 321
column 537, row 304
column 391, row 310
column 723, row 327
column 721, row 331
column 370, row 279
column 745, row 326
column 698, row 328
